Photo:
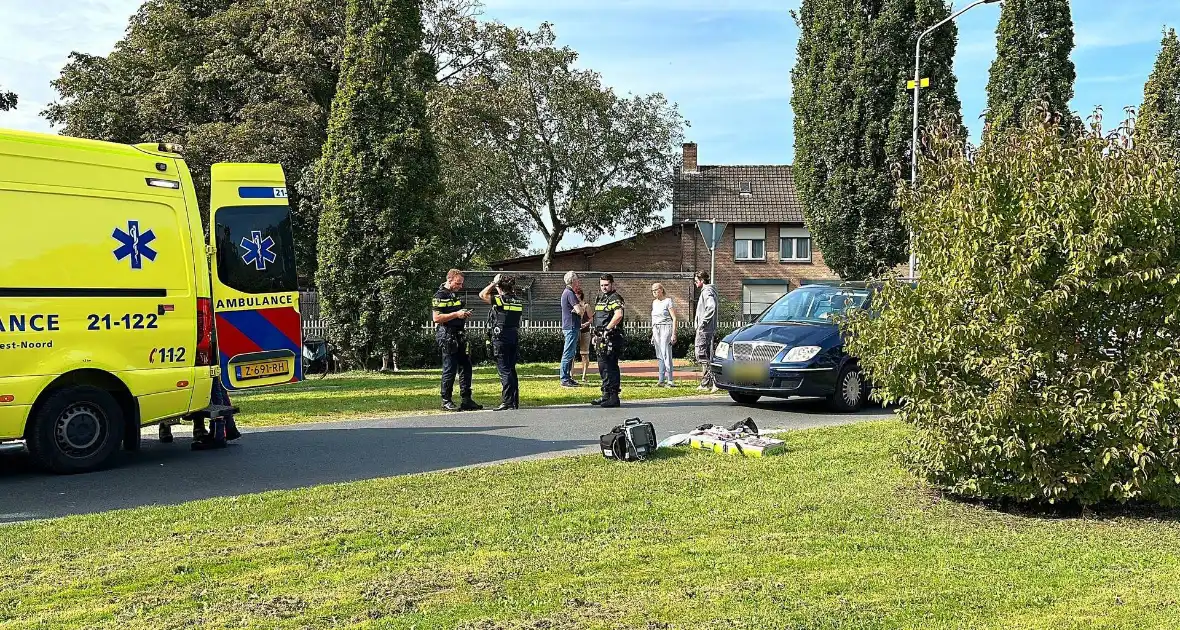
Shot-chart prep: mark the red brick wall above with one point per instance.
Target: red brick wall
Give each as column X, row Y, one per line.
column 730, row 273
column 681, row 249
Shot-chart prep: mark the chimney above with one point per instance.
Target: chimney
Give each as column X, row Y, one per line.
column 690, row 157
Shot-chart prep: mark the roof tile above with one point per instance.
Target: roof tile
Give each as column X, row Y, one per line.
column 714, row 192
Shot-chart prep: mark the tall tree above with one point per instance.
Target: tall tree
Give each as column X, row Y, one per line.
column 7, row 101
column 379, row 182
column 555, row 145
column 247, row 81
column 1033, row 42
column 853, row 120
column 1159, row 118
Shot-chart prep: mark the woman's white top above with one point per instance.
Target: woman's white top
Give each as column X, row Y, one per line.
column 661, row 311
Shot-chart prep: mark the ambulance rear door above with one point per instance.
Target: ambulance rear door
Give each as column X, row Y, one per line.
column 255, row 287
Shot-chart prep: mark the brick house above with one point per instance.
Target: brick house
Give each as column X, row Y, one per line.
column 765, row 249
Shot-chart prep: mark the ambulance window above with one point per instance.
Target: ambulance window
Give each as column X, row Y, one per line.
column 255, row 249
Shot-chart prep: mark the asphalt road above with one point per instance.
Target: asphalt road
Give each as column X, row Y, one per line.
column 297, row 456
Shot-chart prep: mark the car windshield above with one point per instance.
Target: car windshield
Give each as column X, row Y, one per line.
column 815, row 305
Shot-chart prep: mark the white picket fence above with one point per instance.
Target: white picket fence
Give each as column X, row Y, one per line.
column 555, row 325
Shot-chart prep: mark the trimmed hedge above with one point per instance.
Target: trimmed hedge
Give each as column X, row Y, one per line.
column 536, row 346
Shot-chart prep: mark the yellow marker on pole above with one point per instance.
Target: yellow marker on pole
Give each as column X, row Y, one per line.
column 910, row 84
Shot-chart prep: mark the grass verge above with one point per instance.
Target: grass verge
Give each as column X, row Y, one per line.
column 831, row 534
column 360, row 394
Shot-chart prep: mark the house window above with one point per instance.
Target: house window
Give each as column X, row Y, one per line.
column 749, row 243
column 794, row 245
column 757, row 295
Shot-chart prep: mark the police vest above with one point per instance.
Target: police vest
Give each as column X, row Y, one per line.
column 507, row 310
column 446, row 301
column 605, row 307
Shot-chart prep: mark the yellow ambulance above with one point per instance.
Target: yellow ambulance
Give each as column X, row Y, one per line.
column 115, row 311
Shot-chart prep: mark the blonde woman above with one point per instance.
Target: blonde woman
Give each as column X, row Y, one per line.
column 583, row 310
column 663, row 332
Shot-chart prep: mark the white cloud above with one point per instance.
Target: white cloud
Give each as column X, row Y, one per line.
column 36, row 39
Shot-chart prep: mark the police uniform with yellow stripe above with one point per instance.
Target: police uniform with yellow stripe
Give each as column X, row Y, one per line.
column 506, row 312
column 609, row 346
column 452, row 342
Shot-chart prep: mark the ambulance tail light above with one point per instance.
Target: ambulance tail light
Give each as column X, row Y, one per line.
column 204, row 331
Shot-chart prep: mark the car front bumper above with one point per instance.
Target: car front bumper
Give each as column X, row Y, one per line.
column 779, row 380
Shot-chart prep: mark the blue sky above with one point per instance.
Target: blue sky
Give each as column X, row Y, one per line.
column 726, row 62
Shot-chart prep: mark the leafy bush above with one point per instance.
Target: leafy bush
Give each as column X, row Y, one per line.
column 1039, row 355
column 419, row 350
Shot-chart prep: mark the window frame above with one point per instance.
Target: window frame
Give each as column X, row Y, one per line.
column 750, row 247
column 794, row 235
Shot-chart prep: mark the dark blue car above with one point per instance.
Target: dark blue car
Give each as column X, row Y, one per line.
column 794, row 348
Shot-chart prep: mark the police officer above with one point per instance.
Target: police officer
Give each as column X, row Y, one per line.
column 608, row 340
column 450, row 318
column 507, row 309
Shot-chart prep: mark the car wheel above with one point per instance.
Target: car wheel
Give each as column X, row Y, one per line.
column 745, row 399
column 77, row 429
column 851, row 390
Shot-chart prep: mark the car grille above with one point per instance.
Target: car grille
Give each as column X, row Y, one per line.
column 760, row 351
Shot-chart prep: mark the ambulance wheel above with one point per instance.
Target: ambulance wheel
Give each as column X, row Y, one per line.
column 77, row 429
column 744, row 399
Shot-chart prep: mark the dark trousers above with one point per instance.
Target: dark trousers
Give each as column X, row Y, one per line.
column 456, row 362
column 507, row 353
column 608, row 368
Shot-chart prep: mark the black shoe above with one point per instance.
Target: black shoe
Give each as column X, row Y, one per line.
column 570, row 384
column 449, row 406
column 613, row 401
column 598, row 401
column 232, row 434
column 208, row 444
column 504, row 407
column 470, row 405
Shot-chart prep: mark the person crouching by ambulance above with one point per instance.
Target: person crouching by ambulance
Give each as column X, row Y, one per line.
column 608, row 340
column 507, row 309
column 222, row 427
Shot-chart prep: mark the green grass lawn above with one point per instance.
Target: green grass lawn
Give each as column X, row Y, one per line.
column 831, row 534
column 361, row 394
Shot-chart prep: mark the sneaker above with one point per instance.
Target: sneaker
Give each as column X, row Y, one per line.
column 570, row 384
column 660, row 384
column 670, row 384
column 597, row 401
column 449, row 406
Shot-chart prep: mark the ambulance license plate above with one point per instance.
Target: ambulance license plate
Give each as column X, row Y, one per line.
column 262, row 370
column 749, row 373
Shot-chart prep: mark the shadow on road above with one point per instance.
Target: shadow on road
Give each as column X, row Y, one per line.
column 803, row 406
column 273, row 459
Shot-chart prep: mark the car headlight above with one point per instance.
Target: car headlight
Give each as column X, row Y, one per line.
column 801, row 353
column 722, row 351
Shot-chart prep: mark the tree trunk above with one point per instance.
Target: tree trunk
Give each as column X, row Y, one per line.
column 551, row 248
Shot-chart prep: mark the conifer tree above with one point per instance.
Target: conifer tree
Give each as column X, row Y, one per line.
column 1159, row 118
column 853, row 118
column 380, row 182
column 1033, row 42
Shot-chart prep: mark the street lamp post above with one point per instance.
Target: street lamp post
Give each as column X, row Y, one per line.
column 917, row 92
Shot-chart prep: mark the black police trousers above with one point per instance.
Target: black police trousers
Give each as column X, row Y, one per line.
column 506, row 347
column 608, row 367
column 457, row 362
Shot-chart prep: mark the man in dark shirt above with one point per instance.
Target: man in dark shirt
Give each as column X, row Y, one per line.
column 451, row 319
column 608, row 340
column 571, row 328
